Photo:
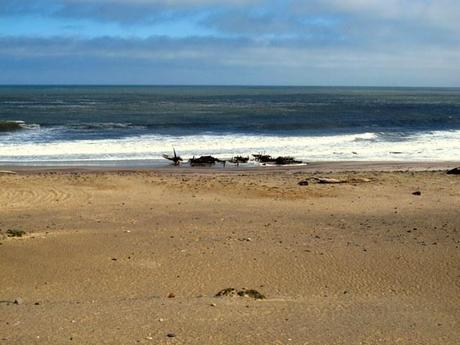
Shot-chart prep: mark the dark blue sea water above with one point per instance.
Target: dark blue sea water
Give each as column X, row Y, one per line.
column 79, row 123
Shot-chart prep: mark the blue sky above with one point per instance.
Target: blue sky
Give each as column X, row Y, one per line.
column 255, row 42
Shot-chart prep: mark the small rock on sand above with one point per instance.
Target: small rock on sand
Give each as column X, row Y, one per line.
column 455, row 171
column 418, row 193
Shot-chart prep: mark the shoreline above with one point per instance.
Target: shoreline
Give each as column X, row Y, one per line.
column 324, row 166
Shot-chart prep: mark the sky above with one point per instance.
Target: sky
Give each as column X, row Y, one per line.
column 232, row 42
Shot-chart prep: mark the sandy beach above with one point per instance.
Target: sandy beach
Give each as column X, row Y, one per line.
column 137, row 256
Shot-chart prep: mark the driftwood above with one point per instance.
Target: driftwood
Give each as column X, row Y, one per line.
column 7, row 172
column 176, row 159
column 329, row 180
column 205, row 160
column 281, row 160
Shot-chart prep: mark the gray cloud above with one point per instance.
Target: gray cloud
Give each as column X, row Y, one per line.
column 349, row 42
column 118, row 11
column 162, row 60
column 352, row 21
column 277, row 14
column 325, row 21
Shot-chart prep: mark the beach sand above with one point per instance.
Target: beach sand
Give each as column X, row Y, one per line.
column 136, row 257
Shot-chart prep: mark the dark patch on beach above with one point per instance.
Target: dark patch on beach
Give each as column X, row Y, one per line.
column 15, row 233
column 231, row 292
column 455, row 171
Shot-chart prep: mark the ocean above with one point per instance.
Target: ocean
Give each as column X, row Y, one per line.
column 99, row 125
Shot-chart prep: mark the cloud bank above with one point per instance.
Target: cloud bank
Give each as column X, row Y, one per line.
column 328, row 42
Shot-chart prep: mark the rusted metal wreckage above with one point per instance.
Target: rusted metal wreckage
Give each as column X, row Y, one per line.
column 205, row 160
column 175, row 159
column 281, row 160
column 210, row 160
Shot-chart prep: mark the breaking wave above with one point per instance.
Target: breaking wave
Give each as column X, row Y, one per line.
column 368, row 146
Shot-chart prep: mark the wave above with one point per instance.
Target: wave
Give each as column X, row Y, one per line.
column 105, row 125
column 17, row 124
column 435, row 145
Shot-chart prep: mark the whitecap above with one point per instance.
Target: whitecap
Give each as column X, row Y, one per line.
column 428, row 146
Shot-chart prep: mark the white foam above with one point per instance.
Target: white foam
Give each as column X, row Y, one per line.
column 436, row 145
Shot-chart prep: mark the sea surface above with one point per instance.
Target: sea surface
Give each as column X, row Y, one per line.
column 97, row 124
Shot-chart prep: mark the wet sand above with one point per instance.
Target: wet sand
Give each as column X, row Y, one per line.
column 130, row 257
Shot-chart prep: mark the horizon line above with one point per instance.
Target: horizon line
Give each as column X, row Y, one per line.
column 222, row 85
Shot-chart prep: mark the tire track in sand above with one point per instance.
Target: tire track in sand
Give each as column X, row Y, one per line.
column 21, row 197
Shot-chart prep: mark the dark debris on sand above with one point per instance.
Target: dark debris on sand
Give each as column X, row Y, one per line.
column 231, row 292
column 455, row 171
column 204, row 160
column 15, row 233
column 281, row 160
column 238, row 160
